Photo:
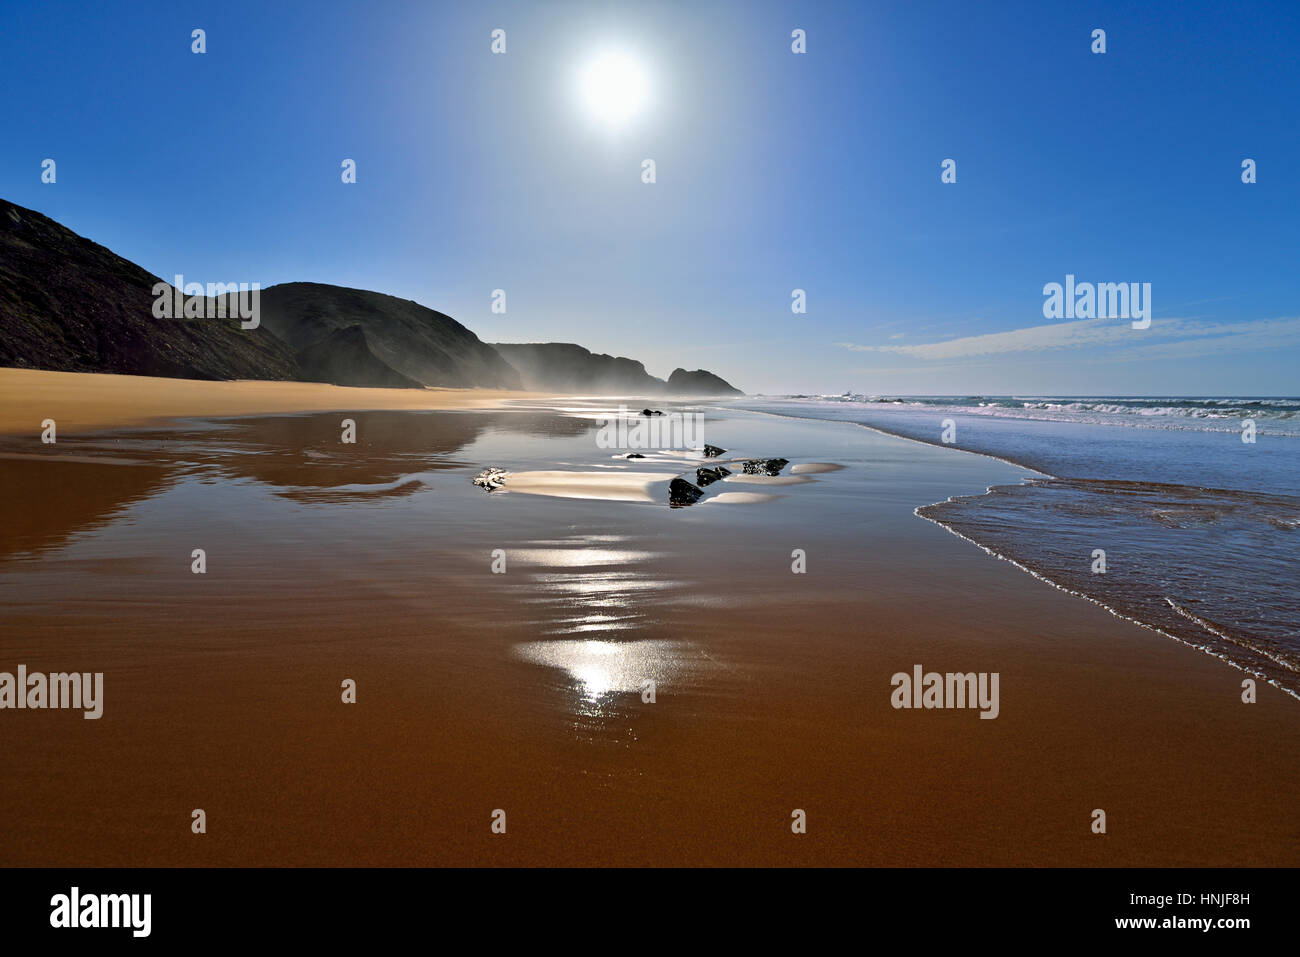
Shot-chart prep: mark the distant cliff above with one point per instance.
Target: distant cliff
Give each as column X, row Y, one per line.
column 398, row 335
column 566, row 367
column 699, row 382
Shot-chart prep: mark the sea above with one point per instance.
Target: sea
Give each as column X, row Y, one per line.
column 1180, row 513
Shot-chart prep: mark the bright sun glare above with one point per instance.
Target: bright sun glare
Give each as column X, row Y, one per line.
column 614, row 88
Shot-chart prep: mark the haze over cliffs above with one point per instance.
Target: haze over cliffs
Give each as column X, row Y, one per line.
column 69, row 304
column 567, row 367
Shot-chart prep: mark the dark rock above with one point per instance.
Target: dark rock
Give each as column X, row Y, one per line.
column 682, row 492
column 635, row 455
column 491, row 479
column 707, row 476
column 765, row 466
column 712, row 451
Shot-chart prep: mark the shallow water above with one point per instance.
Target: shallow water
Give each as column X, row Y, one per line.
column 1200, row 530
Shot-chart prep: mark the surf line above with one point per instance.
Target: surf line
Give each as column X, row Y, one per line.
column 83, row 691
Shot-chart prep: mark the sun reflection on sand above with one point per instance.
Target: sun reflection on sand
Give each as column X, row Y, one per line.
column 578, row 557
column 597, row 595
column 601, row 669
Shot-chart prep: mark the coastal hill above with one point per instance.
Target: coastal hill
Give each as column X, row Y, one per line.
column 355, row 337
column 566, row 367
column 68, row 304
column 699, row 382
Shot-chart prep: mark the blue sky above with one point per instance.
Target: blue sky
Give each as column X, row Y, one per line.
column 775, row 171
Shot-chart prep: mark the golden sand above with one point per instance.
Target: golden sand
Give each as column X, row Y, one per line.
column 83, row 401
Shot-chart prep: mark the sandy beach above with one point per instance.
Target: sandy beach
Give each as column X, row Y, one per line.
column 79, row 401
column 522, row 690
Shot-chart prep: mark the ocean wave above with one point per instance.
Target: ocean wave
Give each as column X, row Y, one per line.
column 1278, row 415
column 1211, row 567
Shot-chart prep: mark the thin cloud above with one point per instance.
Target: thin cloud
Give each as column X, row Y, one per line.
column 1179, row 337
column 1253, row 336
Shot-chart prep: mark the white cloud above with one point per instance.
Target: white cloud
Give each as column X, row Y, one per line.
column 1174, row 338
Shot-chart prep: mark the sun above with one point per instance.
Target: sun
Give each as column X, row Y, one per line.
column 614, row 88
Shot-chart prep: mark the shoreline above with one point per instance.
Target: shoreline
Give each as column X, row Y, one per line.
column 1203, row 649
column 1202, row 644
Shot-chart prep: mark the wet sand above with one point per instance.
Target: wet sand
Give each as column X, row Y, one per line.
column 521, row 691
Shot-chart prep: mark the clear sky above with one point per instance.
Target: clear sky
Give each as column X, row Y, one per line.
column 774, row 171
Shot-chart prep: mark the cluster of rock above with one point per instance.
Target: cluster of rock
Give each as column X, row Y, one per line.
column 680, row 491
